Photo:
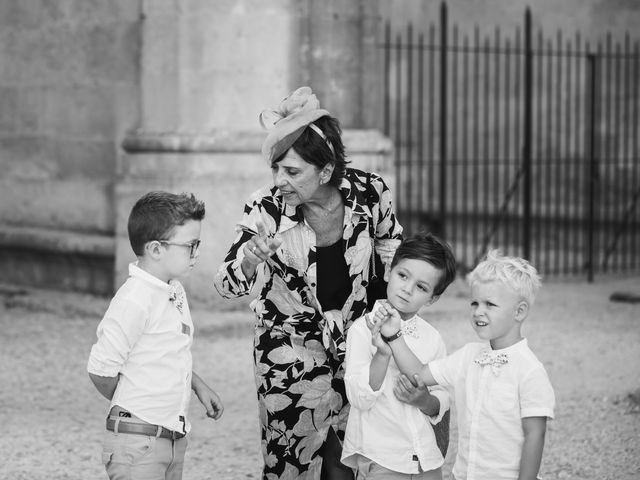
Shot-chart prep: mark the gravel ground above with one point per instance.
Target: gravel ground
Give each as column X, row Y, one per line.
column 52, row 417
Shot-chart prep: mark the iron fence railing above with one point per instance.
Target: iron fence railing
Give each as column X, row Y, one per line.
column 519, row 142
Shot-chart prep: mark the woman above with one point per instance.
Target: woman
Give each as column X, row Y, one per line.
column 310, row 235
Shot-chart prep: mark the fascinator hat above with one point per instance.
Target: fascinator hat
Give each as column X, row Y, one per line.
column 287, row 122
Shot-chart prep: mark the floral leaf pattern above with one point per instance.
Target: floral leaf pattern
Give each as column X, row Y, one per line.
column 298, row 349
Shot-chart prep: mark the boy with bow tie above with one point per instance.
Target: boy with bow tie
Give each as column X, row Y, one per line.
column 502, row 392
column 390, row 430
column 142, row 360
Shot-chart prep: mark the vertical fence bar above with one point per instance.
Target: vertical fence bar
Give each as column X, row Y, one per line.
column 486, row 142
column 560, row 227
column 386, row 80
column 614, row 186
column 518, row 120
column 465, row 149
column 545, row 165
column 626, row 138
column 420, row 127
column 507, row 229
column 592, row 113
column 568, row 159
column 579, row 145
column 527, row 135
column 454, row 160
column 537, row 194
column 398, row 125
column 432, row 120
column 443, row 117
column 635, row 249
column 408, row 128
column 496, row 134
column 476, row 136
column 606, row 165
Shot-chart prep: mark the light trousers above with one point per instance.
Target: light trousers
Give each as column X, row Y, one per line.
column 369, row 470
column 129, row 456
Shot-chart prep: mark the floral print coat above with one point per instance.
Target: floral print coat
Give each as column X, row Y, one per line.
column 299, row 348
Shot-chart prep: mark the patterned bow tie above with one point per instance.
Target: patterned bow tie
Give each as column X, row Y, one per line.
column 177, row 295
column 496, row 361
column 410, row 328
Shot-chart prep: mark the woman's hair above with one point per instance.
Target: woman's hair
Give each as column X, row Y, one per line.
column 514, row 272
column 316, row 150
column 430, row 249
column 156, row 214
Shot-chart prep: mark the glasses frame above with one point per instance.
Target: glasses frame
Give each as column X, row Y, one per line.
column 193, row 246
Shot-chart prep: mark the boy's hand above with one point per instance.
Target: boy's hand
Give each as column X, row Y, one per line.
column 376, row 339
column 207, row 397
column 211, row 402
column 389, row 319
column 381, row 314
column 417, row 394
column 408, row 392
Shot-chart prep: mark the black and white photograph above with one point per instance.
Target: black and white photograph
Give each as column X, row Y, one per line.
column 320, row 239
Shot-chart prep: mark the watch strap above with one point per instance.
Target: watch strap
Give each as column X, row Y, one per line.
column 393, row 337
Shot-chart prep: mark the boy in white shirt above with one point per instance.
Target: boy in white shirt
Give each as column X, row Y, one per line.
column 387, row 438
column 502, row 392
column 142, row 359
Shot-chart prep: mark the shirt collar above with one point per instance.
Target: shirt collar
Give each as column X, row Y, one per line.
column 520, row 345
column 137, row 272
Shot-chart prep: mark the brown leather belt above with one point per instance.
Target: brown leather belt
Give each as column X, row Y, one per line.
column 142, row 429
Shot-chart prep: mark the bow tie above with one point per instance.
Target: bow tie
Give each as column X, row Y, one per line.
column 410, row 328
column 176, row 295
column 496, row 361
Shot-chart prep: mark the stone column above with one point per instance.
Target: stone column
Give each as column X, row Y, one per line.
column 340, row 58
column 207, row 70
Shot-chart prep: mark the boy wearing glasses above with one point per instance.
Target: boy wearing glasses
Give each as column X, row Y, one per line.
column 142, row 359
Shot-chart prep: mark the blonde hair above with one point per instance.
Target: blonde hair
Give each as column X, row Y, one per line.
column 514, row 272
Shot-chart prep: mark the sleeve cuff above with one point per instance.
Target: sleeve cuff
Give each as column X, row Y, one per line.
column 101, row 369
column 537, row 412
column 444, row 399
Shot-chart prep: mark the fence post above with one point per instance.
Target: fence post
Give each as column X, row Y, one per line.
column 443, row 118
column 527, row 143
column 592, row 99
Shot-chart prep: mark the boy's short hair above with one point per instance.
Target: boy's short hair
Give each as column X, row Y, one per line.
column 156, row 214
column 430, row 249
column 514, row 272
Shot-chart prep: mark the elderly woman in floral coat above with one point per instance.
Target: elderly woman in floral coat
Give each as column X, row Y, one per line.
column 311, row 234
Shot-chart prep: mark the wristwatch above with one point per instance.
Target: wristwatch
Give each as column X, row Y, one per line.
column 393, row 337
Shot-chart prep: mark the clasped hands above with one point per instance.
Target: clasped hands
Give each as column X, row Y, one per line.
column 386, row 320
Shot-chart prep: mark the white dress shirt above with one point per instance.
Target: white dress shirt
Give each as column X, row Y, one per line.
column 380, row 427
column 146, row 338
column 491, row 405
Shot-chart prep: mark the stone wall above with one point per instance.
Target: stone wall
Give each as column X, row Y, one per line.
column 68, row 89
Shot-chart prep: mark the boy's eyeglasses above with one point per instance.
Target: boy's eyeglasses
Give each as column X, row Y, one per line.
column 193, row 246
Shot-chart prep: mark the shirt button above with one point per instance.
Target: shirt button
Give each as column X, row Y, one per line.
column 313, row 284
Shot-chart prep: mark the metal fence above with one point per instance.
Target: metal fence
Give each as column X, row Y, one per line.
column 524, row 143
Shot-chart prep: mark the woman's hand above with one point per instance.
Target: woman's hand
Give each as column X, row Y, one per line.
column 258, row 249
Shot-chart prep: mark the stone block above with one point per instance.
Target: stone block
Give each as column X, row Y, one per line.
column 77, row 204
